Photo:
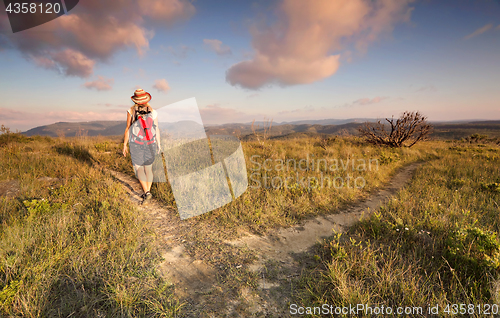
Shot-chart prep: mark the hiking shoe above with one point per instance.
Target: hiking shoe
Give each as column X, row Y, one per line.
column 143, row 196
column 147, row 197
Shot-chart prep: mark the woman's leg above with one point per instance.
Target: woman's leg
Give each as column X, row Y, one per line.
column 141, row 175
column 149, row 176
column 137, row 155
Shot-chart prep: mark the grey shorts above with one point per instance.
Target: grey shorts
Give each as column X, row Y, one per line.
column 143, row 155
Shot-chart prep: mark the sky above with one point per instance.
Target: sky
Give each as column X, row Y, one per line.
column 283, row 60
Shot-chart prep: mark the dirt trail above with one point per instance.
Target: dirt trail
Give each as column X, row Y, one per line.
column 194, row 278
column 191, row 276
column 300, row 238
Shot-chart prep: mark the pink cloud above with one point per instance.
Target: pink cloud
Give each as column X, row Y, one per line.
column 367, row 101
column 162, row 85
column 67, row 61
column 114, row 107
column 12, row 114
column 430, row 88
column 479, row 31
column 94, row 32
column 217, row 47
column 167, row 11
column 101, row 84
column 286, row 71
column 44, row 62
column 74, row 63
column 180, row 52
column 215, row 114
column 305, row 43
column 26, row 120
column 306, row 109
column 105, row 36
column 252, row 95
column 141, row 73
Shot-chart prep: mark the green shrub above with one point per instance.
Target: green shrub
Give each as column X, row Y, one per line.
column 493, row 186
column 473, row 250
column 477, row 137
column 387, row 158
column 456, row 183
column 102, row 146
column 6, row 139
column 9, row 292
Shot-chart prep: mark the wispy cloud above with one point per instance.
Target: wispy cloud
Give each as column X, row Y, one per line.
column 141, row 73
column 100, row 84
column 216, row 114
column 298, row 110
column 26, row 120
column 162, row 85
column 180, row 52
column 367, row 101
column 429, row 88
column 297, row 48
column 67, row 62
column 116, row 106
column 479, row 31
column 252, row 95
column 217, row 46
column 167, row 12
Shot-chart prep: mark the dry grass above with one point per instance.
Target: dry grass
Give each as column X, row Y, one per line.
column 435, row 243
column 69, row 244
column 263, row 208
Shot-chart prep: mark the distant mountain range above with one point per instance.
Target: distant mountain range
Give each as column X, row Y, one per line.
column 113, row 128
column 90, row 128
column 107, row 128
column 245, row 130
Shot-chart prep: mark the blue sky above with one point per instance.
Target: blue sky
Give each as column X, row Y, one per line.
column 246, row 60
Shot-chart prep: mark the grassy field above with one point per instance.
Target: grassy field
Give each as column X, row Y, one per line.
column 319, row 185
column 72, row 244
column 435, row 243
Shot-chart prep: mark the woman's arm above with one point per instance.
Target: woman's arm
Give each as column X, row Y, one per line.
column 125, row 136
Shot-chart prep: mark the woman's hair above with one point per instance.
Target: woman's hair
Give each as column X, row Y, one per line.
column 136, row 108
column 143, row 105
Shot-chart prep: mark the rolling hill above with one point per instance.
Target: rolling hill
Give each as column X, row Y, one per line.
column 442, row 130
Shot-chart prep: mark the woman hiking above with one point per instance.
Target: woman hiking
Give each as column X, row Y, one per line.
column 143, row 135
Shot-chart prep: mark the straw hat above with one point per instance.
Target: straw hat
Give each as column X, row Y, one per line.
column 141, row 97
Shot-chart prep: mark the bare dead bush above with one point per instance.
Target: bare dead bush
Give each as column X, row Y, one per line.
column 407, row 130
column 262, row 134
column 5, row 130
column 326, row 142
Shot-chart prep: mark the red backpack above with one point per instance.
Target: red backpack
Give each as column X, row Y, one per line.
column 143, row 129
